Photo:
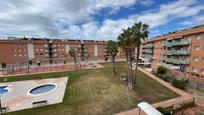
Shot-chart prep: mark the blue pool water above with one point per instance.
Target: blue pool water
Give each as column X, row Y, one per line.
column 42, row 89
column 3, row 90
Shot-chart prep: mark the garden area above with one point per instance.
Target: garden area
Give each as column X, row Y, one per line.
column 98, row 91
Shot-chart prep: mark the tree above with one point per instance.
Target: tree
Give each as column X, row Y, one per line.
column 3, row 65
column 126, row 43
column 112, row 48
column 140, row 33
column 128, row 40
column 161, row 70
column 72, row 54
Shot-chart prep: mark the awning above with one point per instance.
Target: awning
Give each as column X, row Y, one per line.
column 148, row 109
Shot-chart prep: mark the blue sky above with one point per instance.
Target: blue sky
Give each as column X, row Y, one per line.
column 95, row 19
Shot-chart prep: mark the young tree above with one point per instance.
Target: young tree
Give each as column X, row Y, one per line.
column 72, row 54
column 112, row 48
column 3, row 65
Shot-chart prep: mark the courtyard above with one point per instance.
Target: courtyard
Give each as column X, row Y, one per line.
column 97, row 91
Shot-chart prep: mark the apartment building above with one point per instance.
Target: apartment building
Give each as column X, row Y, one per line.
column 180, row 50
column 38, row 50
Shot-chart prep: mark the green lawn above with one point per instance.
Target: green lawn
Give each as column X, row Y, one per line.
column 91, row 92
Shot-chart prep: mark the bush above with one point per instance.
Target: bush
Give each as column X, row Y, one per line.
column 185, row 106
column 164, row 77
column 179, row 84
column 3, row 65
column 164, row 111
column 161, row 70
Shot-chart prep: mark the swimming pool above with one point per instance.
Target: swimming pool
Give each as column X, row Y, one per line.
column 3, row 90
column 42, row 89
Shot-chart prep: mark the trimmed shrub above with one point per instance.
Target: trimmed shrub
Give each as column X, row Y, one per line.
column 164, row 77
column 164, row 111
column 179, row 84
column 3, row 65
column 161, row 70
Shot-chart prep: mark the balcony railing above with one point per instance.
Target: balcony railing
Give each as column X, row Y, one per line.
column 148, row 51
column 182, row 42
column 167, row 60
column 148, row 45
column 177, row 61
column 148, row 56
column 167, row 44
column 176, row 52
column 167, row 52
column 181, row 52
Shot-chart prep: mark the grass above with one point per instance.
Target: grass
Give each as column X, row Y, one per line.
column 91, row 92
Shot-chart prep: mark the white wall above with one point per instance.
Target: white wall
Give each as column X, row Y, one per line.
column 67, row 48
column 30, row 51
column 95, row 50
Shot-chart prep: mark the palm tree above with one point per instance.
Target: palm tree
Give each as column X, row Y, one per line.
column 140, row 33
column 73, row 55
column 126, row 43
column 112, row 48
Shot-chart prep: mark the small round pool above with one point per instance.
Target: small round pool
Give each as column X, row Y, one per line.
column 4, row 90
column 42, row 89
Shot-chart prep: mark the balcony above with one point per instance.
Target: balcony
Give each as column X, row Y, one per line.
column 167, row 44
column 148, row 51
column 167, row 52
column 148, row 45
column 180, row 61
column 181, row 42
column 148, row 56
column 181, row 52
column 177, row 61
column 167, row 60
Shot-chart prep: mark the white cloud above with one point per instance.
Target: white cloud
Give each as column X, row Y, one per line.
column 73, row 18
column 194, row 20
column 110, row 29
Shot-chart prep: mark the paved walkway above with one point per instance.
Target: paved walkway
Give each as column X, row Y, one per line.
column 19, row 98
column 176, row 102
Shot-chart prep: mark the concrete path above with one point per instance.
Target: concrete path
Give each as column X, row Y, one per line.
column 184, row 97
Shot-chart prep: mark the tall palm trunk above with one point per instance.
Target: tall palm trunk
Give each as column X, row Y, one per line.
column 113, row 65
column 136, row 67
column 127, row 62
column 130, row 69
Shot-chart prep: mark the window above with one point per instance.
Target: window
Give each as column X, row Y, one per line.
column 197, row 48
column 194, row 69
column 198, row 37
column 45, row 45
column 195, row 59
column 202, row 71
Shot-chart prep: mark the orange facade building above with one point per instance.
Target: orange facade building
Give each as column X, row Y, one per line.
column 35, row 50
column 181, row 50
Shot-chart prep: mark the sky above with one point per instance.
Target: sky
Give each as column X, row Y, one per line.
column 95, row 19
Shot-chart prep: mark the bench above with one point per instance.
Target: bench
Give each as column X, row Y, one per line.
column 4, row 109
column 40, row 103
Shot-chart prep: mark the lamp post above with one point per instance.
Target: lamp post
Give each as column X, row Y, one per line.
column 124, row 79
